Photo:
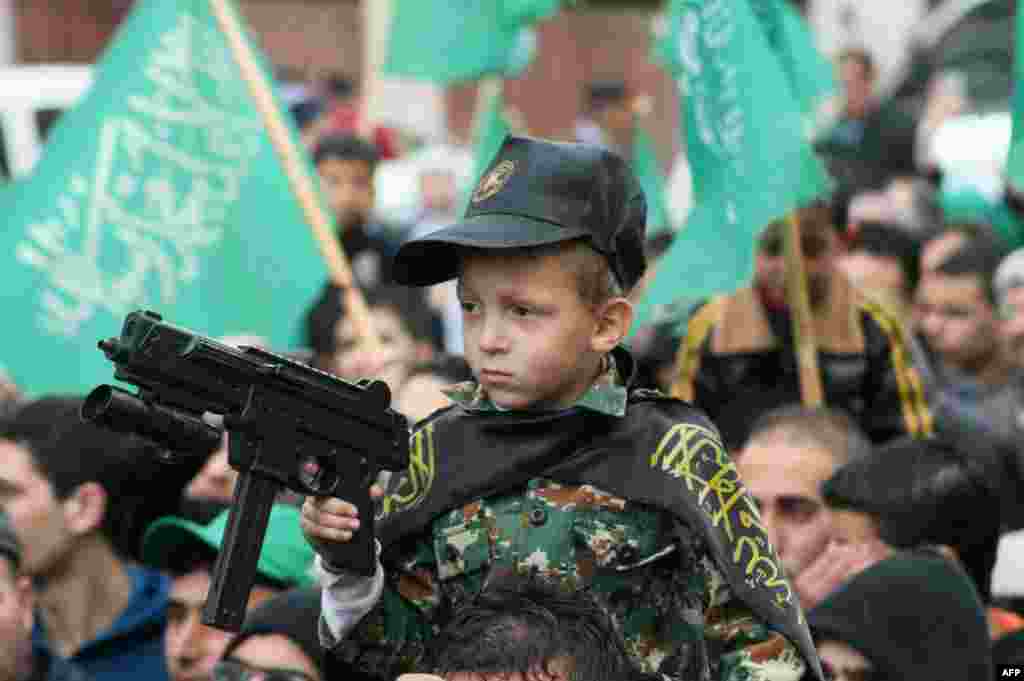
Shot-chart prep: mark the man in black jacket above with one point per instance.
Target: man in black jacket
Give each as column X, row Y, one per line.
column 738, row 358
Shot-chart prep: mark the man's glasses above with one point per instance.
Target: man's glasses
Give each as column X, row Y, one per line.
column 234, row 670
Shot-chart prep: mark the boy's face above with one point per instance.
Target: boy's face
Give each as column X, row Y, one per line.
column 349, row 185
column 530, row 339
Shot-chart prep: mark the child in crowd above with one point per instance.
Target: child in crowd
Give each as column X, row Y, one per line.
column 404, row 325
column 550, row 461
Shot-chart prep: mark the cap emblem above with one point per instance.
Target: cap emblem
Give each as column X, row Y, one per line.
column 494, row 181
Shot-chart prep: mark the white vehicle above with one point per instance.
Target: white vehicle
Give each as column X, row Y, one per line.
column 31, row 96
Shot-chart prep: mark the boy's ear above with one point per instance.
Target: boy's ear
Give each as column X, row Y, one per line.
column 613, row 321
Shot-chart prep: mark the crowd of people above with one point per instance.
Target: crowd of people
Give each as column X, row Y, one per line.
column 562, row 518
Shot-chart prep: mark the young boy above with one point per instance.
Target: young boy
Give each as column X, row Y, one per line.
column 550, row 462
column 404, row 325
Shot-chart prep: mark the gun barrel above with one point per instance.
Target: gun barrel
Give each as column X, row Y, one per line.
column 124, row 412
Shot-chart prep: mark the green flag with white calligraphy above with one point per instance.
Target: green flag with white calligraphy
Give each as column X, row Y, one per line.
column 159, row 190
column 746, row 144
column 811, row 76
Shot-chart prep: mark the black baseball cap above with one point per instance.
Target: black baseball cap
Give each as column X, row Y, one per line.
column 538, row 192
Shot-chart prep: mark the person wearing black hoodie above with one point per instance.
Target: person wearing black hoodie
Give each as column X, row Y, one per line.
column 278, row 640
column 943, row 491
column 914, row 615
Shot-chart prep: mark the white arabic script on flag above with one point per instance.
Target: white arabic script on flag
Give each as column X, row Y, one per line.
column 131, row 226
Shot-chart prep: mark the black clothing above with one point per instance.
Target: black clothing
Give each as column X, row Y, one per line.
column 738, row 361
column 914, row 615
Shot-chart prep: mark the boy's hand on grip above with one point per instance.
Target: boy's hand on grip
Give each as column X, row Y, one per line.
column 328, row 522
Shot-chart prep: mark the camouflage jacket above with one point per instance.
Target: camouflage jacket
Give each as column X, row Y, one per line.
column 664, row 595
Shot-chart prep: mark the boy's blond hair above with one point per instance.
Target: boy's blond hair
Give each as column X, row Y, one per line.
column 595, row 280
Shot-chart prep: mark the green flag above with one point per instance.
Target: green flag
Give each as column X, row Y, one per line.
column 160, row 190
column 489, row 133
column 811, row 77
column 648, row 172
column 745, row 142
column 1015, row 161
column 447, row 41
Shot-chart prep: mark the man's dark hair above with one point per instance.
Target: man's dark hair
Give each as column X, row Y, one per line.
column 340, row 85
column 926, row 213
column 408, row 303
column 306, row 112
column 862, row 57
column 830, row 429
column 524, row 624
column 346, row 148
column 602, row 93
column 192, row 555
column 69, row 452
column 815, row 217
column 979, row 258
column 941, row 490
column 891, row 241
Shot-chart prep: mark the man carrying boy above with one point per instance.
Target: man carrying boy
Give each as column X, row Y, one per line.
column 550, row 463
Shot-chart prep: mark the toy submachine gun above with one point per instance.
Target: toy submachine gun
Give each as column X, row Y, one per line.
column 289, row 426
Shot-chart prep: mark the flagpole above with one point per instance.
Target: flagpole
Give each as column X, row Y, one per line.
column 486, row 89
column 376, row 16
column 299, row 180
column 811, row 391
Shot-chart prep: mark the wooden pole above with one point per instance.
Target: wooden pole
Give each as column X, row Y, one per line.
column 376, row 15
column 299, row 180
column 811, row 391
column 486, row 90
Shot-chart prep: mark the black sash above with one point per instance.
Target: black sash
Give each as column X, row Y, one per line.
column 663, row 453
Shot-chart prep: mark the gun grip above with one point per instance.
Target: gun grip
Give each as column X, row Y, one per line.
column 235, row 570
column 359, row 554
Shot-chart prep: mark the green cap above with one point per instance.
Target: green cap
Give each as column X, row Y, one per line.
column 286, row 556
